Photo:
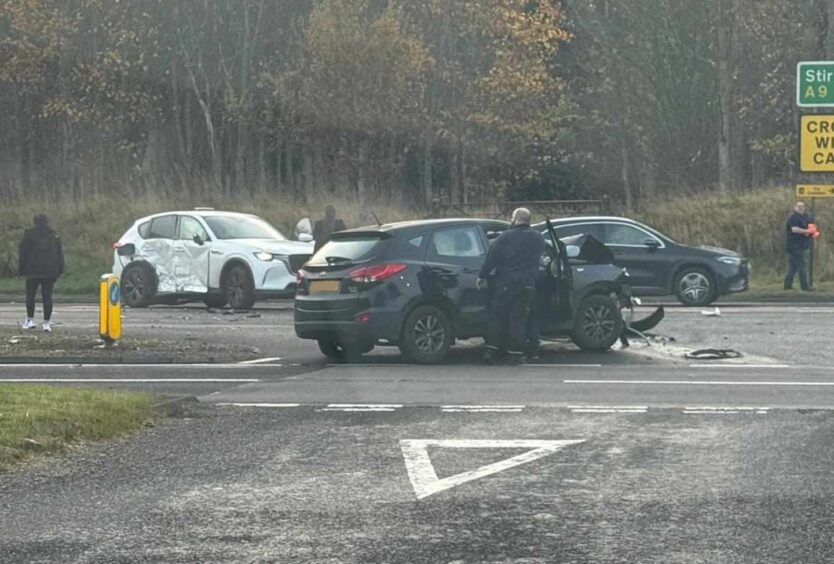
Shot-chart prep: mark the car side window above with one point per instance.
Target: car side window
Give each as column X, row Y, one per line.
column 458, row 242
column 144, row 229
column 620, row 234
column 594, row 229
column 164, row 227
column 189, row 227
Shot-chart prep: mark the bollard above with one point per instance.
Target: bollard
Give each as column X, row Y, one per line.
column 110, row 309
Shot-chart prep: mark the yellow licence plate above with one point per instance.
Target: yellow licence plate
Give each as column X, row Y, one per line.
column 324, row 286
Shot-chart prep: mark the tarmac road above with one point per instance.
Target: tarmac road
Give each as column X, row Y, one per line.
column 636, row 455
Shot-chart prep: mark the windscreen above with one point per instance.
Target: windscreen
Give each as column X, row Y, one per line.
column 241, row 227
column 346, row 250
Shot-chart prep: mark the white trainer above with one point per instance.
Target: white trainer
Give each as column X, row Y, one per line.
column 47, row 328
column 28, row 324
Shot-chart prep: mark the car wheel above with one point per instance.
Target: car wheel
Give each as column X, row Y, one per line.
column 426, row 336
column 342, row 353
column 694, row 287
column 215, row 301
column 138, row 285
column 238, row 287
column 598, row 323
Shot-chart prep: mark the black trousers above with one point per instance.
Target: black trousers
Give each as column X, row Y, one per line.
column 508, row 314
column 46, row 285
column 797, row 265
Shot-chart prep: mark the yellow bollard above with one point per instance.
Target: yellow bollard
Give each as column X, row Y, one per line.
column 110, row 308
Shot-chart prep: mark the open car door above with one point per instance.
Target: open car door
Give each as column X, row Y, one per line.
column 561, row 277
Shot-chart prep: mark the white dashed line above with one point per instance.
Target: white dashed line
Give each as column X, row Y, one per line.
column 260, row 360
column 359, row 407
column 481, row 408
column 724, row 410
column 608, row 408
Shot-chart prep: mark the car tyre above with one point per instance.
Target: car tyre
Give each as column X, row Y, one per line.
column 694, row 286
column 426, row 336
column 138, row 285
column 238, row 287
column 598, row 323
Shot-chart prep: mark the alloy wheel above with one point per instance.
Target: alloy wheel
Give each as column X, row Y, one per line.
column 694, row 286
column 598, row 322
column 429, row 334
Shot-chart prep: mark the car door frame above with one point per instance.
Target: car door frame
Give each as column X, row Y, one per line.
column 655, row 281
column 159, row 253
column 187, row 252
column 456, row 282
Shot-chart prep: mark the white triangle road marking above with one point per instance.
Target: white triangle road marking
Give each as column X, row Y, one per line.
column 424, row 479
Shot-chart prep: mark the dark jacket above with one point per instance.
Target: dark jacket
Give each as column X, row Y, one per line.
column 321, row 233
column 40, row 254
column 797, row 241
column 514, row 255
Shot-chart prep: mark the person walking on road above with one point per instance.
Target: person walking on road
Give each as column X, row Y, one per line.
column 514, row 258
column 798, row 241
column 325, row 227
column 41, row 262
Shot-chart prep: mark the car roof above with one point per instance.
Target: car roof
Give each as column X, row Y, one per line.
column 204, row 213
column 416, row 226
column 583, row 218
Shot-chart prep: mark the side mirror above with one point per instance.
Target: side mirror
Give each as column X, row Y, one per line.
column 198, row 240
column 127, row 250
column 305, row 238
column 572, row 251
column 651, row 243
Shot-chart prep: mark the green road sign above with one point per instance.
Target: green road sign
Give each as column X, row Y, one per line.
column 815, row 84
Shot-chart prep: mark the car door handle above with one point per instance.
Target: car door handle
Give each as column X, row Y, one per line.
column 179, row 249
column 216, row 252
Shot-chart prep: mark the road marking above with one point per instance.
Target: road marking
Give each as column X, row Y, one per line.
column 532, row 365
column 481, row 408
column 424, row 479
column 260, row 360
column 608, row 408
column 129, row 380
column 351, row 407
column 696, row 383
column 724, row 410
column 737, row 365
column 259, row 404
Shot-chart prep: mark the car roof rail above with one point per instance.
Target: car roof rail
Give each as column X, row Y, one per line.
column 200, row 208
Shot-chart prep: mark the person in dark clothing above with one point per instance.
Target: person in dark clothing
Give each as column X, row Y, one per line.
column 325, row 227
column 797, row 243
column 41, row 262
column 514, row 259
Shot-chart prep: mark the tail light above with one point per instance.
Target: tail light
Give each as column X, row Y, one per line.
column 299, row 278
column 376, row 273
column 362, row 318
column 117, row 245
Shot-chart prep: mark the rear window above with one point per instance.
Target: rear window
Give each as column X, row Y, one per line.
column 347, row 250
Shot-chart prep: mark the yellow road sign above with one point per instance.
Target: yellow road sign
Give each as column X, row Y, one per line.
column 816, row 143
column 815, row 190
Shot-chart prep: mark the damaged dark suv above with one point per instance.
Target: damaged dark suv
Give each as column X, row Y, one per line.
column 413, row 285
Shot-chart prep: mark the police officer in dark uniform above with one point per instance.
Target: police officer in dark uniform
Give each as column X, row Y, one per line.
column 514, row 257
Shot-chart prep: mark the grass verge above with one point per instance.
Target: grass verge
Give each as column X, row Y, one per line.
column 40, row 419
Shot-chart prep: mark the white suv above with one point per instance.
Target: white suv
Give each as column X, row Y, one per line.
column 219, row 257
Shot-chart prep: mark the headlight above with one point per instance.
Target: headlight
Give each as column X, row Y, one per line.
column 261, row 255
column 730, row 260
